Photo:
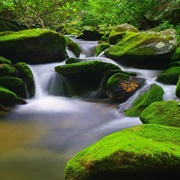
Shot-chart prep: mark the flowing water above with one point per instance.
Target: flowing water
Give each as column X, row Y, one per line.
column 37, row 139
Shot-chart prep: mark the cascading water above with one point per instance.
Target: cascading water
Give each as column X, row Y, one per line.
column 37, row 139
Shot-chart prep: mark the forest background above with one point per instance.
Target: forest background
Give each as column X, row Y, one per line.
column 71, row 16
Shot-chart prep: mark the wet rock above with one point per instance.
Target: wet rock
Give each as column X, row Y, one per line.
column 121, row 86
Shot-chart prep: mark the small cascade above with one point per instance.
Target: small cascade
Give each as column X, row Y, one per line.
column 48, row 82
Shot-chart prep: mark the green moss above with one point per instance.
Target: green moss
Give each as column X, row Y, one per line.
column 165, row 113
column 114, row 80
column 14, row 84
column 85, row 66
column 137, row 149
column 7, row 70
column 4, row 60
column 176, row 55
column 7, row 97
column 74, row 47
column 177, row 92
column 101, row 47
column 142, row 44
column 169, row 76
column 155, row 93
column 29, row 33
column 26, row 75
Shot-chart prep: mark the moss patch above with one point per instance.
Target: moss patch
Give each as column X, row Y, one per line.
column 155, row 93
column 177, row 92
column 169, row 76
column 144, row 149
column 165, row 113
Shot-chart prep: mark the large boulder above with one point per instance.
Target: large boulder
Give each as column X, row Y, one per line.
column 141, row 152
column 34, row 46
column 162, row 112
column 153, row 93
column 121, row 86
column 85, row 75
column 144, row 49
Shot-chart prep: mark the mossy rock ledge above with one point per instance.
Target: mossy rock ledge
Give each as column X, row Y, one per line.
column 85, row 76
column 162, row 112
column 149, row 49
column 33, row 46
column 141, row 152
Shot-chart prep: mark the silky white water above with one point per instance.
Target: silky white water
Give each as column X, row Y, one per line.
column 37, row 139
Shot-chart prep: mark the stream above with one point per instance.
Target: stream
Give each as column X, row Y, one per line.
column 38, row 138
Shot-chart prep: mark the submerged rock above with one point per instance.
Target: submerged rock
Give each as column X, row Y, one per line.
column 164, row 112
column 141, row 152
column 144, row 49
column 34, row 46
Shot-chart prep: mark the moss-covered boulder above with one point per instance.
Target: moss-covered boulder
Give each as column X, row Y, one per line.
column 34, row 46
column 8, row 98
column 25, row 73
column 14, row 84
column 85, row 75
column 144, row 49
column 72, row 46
column 177, row 92
column 176, row 55
column 121, row 86
column 141, row 152
column 118, row 32
column 164, row 112
column 101, row 47
column 7, row 70
column 4, row 60
column 169, row 76
column 153, row 93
